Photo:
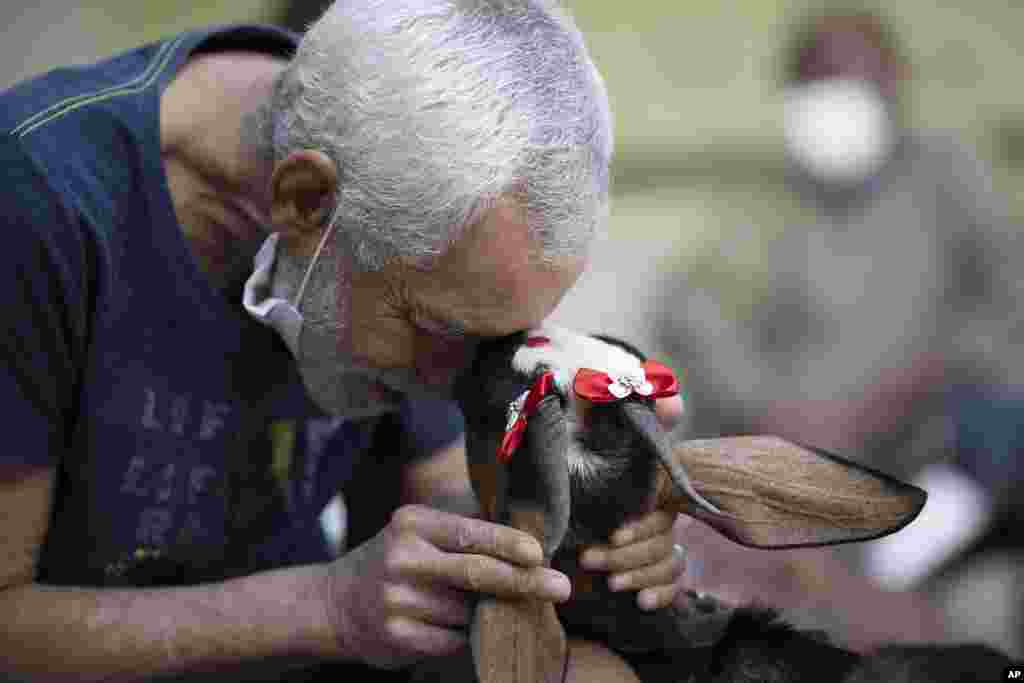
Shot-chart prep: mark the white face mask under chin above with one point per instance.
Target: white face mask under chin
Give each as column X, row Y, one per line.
column 338, row 387
column 274, row 312
column 838, row 130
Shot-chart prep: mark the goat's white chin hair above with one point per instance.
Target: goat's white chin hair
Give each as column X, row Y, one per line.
column 585, row 466
column 581, row 462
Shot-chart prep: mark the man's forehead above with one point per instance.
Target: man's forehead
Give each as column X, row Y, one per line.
column 491, row 279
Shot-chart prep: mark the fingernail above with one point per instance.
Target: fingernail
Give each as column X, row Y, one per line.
column 592, row 559
column 647, row 600
column 531, row 551
column 618, row 582
column 555, row 585
column 624, row 537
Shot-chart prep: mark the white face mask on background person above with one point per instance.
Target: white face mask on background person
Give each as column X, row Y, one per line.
column 838, row 131
column 338, row 386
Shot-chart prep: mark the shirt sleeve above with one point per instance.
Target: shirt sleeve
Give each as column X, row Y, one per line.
column 43, row 295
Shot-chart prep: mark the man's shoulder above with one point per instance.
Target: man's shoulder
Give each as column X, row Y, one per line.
column 34, row 209
column 87, row 137
column 44, row 221
column 73, row 134
column 37, row 102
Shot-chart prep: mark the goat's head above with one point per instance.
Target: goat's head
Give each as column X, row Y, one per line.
column 592, row 453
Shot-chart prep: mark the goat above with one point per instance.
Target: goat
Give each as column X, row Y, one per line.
column 537, row 466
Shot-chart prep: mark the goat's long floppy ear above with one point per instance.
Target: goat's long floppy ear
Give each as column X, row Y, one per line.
column 520, row 641
column 645, row 422
column 777, row 494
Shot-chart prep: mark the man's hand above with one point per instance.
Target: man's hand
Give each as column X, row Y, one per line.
column 643, row 555
column 408, row 593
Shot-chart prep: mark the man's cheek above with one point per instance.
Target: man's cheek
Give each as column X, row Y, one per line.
column 382, row 346
column 378, row 337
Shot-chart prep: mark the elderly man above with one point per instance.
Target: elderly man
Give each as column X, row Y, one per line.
column 412, row 176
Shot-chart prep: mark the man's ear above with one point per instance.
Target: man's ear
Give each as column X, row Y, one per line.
column 303, row 187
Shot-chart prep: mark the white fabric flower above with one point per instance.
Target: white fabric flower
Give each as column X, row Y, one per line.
column 624, row 385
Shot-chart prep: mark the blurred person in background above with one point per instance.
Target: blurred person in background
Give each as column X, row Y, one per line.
column 230, row 279
column 883, row 322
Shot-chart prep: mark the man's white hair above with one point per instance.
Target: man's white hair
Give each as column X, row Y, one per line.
column 434, row 109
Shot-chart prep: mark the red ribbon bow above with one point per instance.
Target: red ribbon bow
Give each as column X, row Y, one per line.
column 519, row 411
column 599, row 387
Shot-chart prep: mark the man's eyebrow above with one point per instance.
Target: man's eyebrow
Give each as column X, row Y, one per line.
column 451, row 325
column 443, row 325
column 456, row 328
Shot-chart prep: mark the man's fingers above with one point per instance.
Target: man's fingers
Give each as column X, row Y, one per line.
column 665, row 572
column 633, row 556
column 669, row 411
column 657, row 597
column 651, row 524
column 482, row 574
column 470, row 555
column 425, row 639
column 440, row 606
column 621, row 554
column 457, row 534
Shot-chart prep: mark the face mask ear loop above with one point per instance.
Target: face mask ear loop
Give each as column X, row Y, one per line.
column 312, row 264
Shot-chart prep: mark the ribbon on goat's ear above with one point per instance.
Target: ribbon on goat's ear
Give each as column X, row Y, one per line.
column 654, row 381
column 520, row 410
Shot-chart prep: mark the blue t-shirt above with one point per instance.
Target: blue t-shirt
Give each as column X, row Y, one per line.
column 187, row 447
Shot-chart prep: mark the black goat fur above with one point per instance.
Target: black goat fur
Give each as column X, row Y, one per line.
column 931, row 663
column 757, row 647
